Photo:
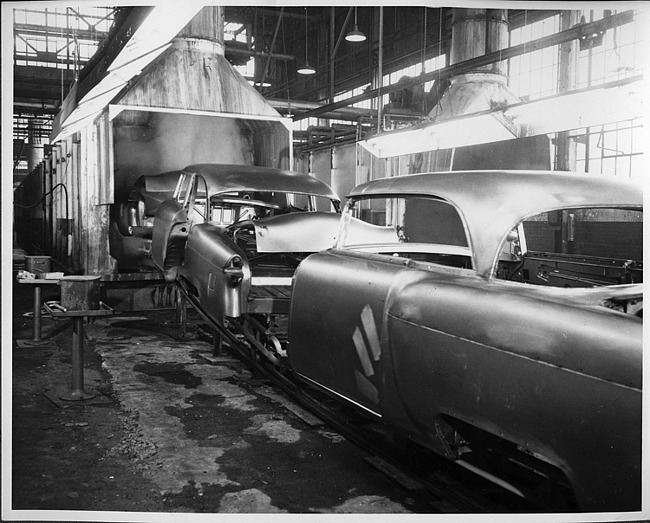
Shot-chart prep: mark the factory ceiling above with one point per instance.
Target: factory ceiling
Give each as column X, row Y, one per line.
column 266, row 44
column 279, row 39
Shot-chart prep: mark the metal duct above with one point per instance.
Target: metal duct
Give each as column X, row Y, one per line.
column 476, row 32
column 194, row 75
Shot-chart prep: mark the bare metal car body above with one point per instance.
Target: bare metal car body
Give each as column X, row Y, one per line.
column 232, row 235
column 132, row 220
column 520, row 365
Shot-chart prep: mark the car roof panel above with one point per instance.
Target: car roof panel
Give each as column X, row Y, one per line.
column 491, row 203
column 224, row 178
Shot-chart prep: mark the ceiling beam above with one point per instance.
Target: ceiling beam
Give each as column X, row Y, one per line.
column 353, row 114
column 45, row 74
column 59, row 32
column 233, row 50
column 36, row 108
column 242, row 15
column 40, row 85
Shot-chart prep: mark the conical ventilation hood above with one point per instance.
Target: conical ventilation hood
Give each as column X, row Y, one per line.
column 476, row 32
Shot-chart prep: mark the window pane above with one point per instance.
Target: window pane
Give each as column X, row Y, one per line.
column 608, row 166
column 623, row 166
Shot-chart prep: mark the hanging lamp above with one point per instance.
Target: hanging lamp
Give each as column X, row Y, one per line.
column 355, row 35
column 306, row 68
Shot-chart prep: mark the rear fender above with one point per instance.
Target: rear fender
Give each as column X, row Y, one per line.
column 561, row 382
column 218, row 272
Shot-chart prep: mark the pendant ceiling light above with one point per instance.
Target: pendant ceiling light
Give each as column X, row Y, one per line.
column 355, row 35
column 306, row 68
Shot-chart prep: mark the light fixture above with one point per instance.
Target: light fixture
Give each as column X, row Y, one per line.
column 355, row 35
column 257, row 83
column 609, row 103
column 614, row 102
column 483, row 127
column 306, row 68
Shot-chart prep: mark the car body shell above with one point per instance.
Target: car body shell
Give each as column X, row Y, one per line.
column 554, row 372
column 214, row 264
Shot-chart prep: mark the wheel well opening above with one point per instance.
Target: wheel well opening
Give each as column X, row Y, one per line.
column 514, row 466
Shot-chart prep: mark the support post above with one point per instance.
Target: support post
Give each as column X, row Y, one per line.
column 36, row 337
column 565, row 151
column 181, row 313
column 77, row 392
column 217, row 343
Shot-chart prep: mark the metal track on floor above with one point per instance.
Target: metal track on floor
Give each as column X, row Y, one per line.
column 445, row 487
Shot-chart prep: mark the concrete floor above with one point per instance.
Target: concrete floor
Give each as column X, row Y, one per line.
column 172, row 430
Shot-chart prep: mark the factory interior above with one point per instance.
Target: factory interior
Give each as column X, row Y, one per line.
column 138, row 383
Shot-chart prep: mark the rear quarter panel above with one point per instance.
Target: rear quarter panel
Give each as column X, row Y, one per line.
column 207, row 252
column 561, row 381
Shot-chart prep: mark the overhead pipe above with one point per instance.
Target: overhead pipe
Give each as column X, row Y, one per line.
column 230, row 50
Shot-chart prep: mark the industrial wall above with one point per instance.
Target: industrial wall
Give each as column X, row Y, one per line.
column 147, row 143
column 70, row 219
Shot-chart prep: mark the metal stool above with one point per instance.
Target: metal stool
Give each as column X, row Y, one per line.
column 79, row 300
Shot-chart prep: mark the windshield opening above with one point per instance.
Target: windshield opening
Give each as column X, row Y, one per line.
column 415, row 227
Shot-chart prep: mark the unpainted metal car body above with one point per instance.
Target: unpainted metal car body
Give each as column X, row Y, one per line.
column 499, row 325
column 233, row 235
column 132, row 217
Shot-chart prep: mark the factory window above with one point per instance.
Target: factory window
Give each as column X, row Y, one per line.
column 247, row 70
column 53, row 37
column 364, row 104
column 613, row 148
column 618, row 56
column 86, row 50
column 233, row 32
column 432, row 64
column 534, row 75
column 413, row 71
column 303, row 125
column 26, row 127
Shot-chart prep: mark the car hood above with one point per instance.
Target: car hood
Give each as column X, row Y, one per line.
column 297, row 232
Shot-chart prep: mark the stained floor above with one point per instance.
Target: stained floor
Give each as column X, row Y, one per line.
column 173, row 429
